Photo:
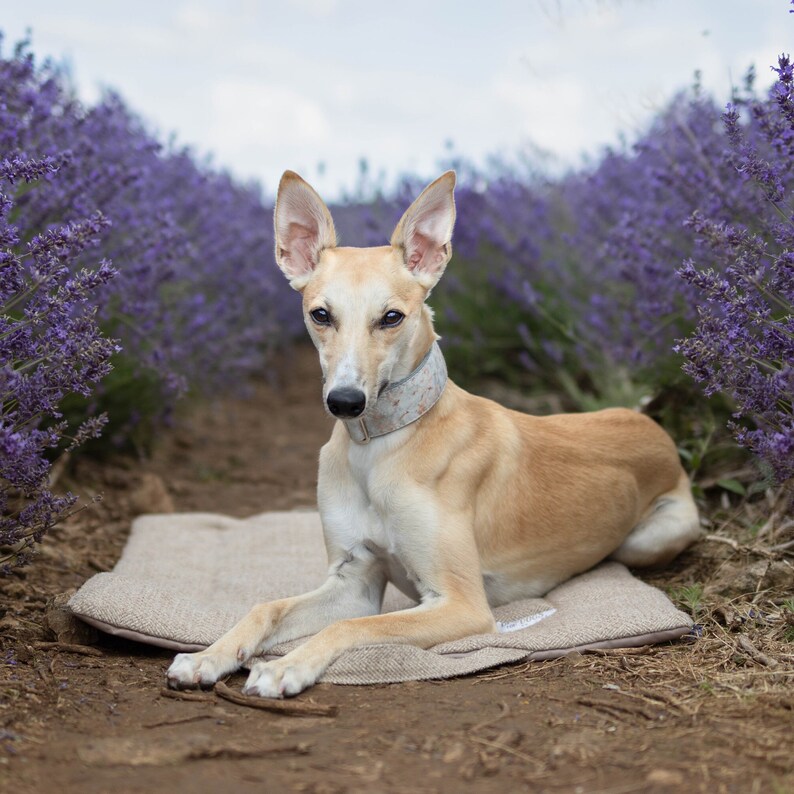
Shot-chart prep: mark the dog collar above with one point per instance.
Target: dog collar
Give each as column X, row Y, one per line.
column 403, row 402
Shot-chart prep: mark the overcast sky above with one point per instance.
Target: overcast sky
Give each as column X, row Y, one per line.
column 266, row 86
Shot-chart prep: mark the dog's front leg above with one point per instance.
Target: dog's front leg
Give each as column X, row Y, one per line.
column 432, row 622
column 354, row 587
column 446, row 566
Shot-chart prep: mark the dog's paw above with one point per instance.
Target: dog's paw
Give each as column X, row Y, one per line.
column 279, row 679
column 202, row 669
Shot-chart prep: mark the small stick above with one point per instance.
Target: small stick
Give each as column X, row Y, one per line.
column 727, row 541
column 610, row 706
column 179, row 721
column 781, row 546
column 754, row 653
column 179, row 694
column 67, row 647
column 504, row 710
column 505, row 749
column 58, row 469
column 295, row 708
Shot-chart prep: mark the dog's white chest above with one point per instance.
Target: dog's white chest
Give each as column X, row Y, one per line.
column 380, row 526
column 371, row 470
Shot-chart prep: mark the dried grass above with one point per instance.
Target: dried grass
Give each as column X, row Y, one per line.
column 738, row 583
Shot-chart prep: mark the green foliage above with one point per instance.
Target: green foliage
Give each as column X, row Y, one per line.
column 688, row 596
column 133, row 398
column 481, row 342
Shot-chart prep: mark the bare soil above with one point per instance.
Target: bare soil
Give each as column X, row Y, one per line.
column 709, row 714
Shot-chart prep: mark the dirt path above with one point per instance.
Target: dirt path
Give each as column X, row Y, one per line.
column 691, row 717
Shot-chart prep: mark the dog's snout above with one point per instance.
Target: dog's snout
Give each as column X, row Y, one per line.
column 346, row 403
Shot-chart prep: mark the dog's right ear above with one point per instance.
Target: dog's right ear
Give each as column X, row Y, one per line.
column 304, row 228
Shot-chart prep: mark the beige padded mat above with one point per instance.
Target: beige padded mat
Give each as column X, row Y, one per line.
column 185, row 579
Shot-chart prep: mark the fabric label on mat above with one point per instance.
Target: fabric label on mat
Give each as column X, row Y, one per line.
column 523, row 623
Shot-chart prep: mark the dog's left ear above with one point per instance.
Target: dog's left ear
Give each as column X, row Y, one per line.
column 425, row 231
column 304, row 228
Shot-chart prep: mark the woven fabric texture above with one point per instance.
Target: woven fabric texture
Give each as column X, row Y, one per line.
column 185, row 579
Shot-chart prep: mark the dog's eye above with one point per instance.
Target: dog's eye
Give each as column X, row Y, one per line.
column 320, row 316
column 392, row 318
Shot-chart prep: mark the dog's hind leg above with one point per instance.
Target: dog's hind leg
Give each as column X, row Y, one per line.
column 671, row 525
column 354, row 588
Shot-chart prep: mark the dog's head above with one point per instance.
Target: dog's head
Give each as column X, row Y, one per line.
column 364, row 307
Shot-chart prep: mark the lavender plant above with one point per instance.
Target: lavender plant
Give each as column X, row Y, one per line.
column 606, row 287
column 587, row 271
column 50, row 346
column 743, row 344
column 191, row 293
column 184, row 240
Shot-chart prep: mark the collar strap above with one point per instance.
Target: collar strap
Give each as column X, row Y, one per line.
column 403, row 402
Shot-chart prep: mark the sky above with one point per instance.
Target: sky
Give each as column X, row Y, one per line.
column 317, row 85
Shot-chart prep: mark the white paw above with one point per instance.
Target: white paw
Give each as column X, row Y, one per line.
column 202, row 669
column 279, row 679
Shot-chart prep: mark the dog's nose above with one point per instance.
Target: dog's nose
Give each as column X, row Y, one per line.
column 346, row 403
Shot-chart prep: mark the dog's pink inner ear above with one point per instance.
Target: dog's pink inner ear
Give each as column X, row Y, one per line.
column 303, row 228
column 423, row 254
column 425, row 231
column 299, row 249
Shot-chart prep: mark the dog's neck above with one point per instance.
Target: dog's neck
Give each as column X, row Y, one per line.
column 404, row 401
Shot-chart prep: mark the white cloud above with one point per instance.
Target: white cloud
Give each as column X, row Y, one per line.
column 269, row 86
column 194, row 18
column 251, row 116
column 551, row 113
column 318, row 8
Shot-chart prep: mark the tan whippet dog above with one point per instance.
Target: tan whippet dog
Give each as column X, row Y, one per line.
column 461, row 503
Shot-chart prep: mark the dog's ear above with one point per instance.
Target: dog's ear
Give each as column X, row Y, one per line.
column 304, row 227
column 425, row 231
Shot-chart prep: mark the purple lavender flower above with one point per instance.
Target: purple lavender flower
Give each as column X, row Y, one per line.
column 192, row 294
column 743, row 345
column 50, row 346
column 592, row 264
column 196, row 302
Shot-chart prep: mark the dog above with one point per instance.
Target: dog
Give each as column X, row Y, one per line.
column 461, row 503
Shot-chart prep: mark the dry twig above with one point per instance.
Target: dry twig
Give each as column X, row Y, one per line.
column 504, row 711
column 179, row 721
column 754, row 653
column 294, row 708
column 67, row 647
column 505, row 749
column 721, row 539
column 611, row 706
column 179, row 694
